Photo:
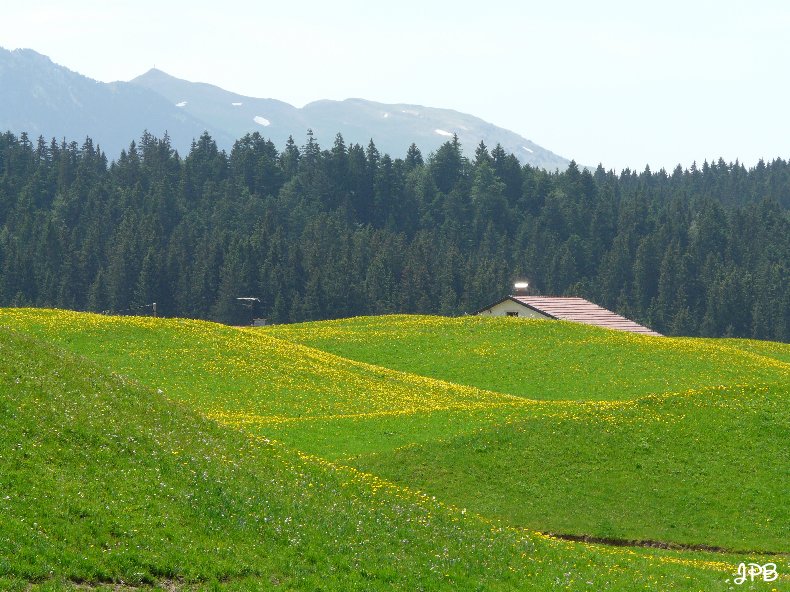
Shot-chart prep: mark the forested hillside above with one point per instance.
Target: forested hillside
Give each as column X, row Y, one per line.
column 325, row 233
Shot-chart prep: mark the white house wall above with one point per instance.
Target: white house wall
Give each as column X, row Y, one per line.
column 501, row 310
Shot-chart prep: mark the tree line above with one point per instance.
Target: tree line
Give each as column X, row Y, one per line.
column 320, row 233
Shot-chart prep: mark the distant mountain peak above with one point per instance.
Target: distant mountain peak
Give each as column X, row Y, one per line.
column 152, row 73
column 26, row 52
column 152, row 76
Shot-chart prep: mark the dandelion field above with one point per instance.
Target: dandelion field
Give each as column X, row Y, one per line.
column 384, row 453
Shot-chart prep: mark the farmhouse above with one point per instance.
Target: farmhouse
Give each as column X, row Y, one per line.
column 577, row 310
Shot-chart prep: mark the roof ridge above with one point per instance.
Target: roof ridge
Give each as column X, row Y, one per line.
column 581, row 310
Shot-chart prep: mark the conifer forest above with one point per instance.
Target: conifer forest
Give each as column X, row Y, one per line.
column 326, row 232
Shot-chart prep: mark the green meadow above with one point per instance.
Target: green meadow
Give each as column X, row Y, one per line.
column 399, row 452
column 539, row 360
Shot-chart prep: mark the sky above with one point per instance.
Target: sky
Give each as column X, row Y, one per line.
column 620, row 83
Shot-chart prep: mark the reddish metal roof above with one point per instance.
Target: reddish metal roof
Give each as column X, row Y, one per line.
column 580, row 310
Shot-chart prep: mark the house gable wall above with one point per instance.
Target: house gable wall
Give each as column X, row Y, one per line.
column 502, row 308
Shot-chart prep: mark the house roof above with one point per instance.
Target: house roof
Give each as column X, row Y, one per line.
column 580, row 310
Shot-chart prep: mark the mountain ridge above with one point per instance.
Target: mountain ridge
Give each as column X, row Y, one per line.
column 115, row 113
column 42, row 98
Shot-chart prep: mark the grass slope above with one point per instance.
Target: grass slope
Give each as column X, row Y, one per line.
column 768, row 349
column 668, row 465
column 666, row 469
column 104, row 481
column 535, row 358
column 644, row 469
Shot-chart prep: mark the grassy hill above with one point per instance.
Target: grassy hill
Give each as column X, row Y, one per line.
column 768, row 349
column 192, row 453
column 539, row 360
column 659, row 451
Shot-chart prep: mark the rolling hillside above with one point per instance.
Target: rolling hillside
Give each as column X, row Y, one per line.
column 157, row 440
column 643, row 436
column 557, row 360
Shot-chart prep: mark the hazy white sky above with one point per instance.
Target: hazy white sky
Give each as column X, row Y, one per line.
column 620, row 83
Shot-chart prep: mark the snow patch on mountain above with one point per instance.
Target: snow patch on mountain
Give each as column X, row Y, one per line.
column 261, row 121
column 181, row 104
column 236, row 104
column 442, row 132
column 530, row 150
